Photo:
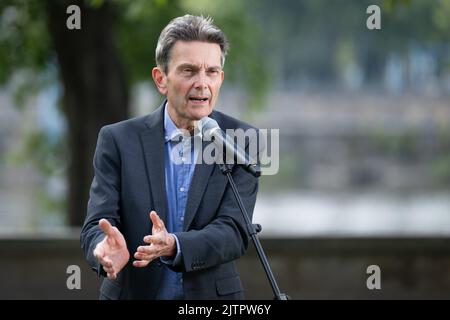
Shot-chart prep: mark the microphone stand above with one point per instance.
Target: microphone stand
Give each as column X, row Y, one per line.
column 253, row 230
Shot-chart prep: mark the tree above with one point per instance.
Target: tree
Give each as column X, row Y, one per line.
column 95, row 92
column 98, row 64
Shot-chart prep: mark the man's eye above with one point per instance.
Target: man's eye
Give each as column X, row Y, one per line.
column 187, row 70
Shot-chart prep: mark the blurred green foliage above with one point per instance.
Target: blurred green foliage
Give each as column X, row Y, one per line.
column 309, row 43
column 24, row 40
column 287, row 43
column 49, row 155
column 28, row 62
column 290, row 175
column 396, row 145
column 26, row 44
column 271, row 43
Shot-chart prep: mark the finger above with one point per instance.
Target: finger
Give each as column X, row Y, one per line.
column 106, row 227
column 140, row 264
column 114, row 236
column 106, row 262
column 108, row 270
column 154, row 218
column 152, row 239
column 143, row 256
column 146, row 255
column 99, row 252
column 146, row 249
column 111, row 275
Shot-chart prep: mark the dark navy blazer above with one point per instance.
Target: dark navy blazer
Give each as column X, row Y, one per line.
column 129, row 183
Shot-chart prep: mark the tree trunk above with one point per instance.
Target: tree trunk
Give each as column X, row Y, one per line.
column 95, row 90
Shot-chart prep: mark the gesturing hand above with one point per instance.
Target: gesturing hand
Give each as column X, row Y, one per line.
column 112, row 251
column 161, row 243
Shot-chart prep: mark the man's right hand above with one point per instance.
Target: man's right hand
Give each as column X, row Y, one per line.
column 112, row 251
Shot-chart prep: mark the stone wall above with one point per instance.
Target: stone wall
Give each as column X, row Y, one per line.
column 306, row 268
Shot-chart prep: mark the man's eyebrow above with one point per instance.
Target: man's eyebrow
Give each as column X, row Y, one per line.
column 187, row 65
column 195, row 67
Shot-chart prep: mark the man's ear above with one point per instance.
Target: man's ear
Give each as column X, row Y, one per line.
column 160, row 80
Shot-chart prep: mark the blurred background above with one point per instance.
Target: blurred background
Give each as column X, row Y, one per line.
column 364, row 119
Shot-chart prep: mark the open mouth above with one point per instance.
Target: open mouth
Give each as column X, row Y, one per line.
column 198, row 99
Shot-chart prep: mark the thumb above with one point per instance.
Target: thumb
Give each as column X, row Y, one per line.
column 106, row 227
column 156, row 220
column 99, row 252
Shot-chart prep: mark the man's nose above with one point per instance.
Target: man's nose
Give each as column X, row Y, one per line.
column 201, row 80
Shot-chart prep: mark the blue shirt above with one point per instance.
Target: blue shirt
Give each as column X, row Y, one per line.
column 179, row 163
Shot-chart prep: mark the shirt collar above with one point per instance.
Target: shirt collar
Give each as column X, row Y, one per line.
column 171, row 131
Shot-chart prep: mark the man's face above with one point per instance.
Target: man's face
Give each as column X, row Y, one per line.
column 193, row 80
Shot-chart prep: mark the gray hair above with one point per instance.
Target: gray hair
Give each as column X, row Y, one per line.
column 188, row 28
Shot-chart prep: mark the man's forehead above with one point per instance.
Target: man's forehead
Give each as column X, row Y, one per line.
column 193, row 50
column 194, row 43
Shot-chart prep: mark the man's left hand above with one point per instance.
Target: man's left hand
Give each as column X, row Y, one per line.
column 160, row 243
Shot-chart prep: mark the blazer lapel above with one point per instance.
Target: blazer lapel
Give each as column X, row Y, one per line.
column 198, row 185
column 152, row 141
column 200, row 179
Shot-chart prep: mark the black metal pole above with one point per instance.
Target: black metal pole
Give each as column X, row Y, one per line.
column 253, row 234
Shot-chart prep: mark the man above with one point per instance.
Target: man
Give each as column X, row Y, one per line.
column 159, row 228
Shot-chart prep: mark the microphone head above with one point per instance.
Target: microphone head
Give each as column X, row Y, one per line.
column 208, row 124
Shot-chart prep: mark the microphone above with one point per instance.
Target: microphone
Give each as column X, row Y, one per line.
column 210, row 127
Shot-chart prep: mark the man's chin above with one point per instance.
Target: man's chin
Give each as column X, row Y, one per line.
column 201, row 113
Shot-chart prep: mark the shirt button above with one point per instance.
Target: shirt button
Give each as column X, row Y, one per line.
column 183, row 159
column 182, row 189
column 182, row 218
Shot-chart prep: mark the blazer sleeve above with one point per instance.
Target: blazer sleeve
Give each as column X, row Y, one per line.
column 103, row 196
column 225, row 238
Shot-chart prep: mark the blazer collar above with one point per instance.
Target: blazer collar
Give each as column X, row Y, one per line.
column 152, row 140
